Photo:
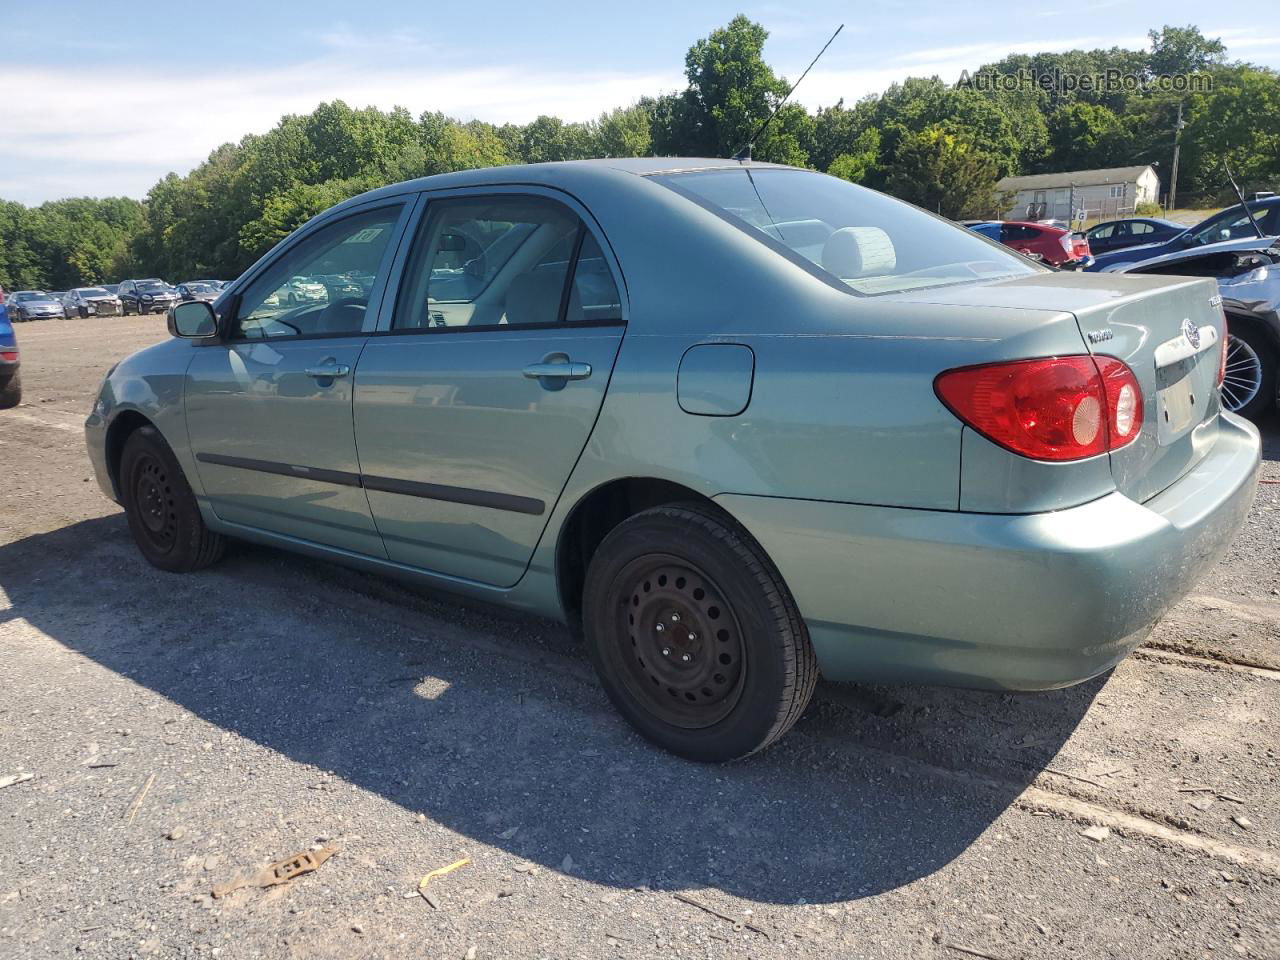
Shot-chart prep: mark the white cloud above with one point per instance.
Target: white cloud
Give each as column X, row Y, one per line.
column 69, row 133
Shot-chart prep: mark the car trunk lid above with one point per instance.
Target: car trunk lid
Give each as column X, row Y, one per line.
column 1170, row 335
column 1147, row 322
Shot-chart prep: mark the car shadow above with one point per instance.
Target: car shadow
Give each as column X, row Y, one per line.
column 486, row 722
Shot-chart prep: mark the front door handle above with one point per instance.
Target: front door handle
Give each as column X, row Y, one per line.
column 328, row 369
column 558, row 371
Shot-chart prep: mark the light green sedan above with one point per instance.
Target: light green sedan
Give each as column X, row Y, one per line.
column 739, row 424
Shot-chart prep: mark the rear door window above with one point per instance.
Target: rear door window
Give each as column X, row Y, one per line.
column 504, row 261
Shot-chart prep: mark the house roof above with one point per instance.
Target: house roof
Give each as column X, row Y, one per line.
column 1080, row 178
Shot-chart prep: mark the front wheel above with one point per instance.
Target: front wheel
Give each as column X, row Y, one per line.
column 1249, row 385
column 163, row 515
column 694, row 635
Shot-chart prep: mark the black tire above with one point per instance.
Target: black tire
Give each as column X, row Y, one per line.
column 1265, row 399
column 163, row 515
column 11, row 392
column 695, row 637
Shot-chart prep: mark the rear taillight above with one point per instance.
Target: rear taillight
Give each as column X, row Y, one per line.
column 1055, row 408
column 1068, row 243
column 9, row 356
column 1222, row 353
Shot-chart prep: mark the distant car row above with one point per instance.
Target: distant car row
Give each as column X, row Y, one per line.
column 113, row 299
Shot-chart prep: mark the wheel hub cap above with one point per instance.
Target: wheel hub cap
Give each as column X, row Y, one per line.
column 682, row 647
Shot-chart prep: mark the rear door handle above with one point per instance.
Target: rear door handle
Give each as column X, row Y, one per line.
column 558, row 371
column 328, row 370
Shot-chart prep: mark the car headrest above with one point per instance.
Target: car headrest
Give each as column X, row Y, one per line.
column 853, row 252
column 534, row 297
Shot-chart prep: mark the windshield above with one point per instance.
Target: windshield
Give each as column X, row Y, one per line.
column 92, row 292
column 26, row 295
column 861, row 240
column 1234, row 223
column 153, row 287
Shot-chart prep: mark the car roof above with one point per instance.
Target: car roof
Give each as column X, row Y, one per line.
column 562, row 173
column 1160, row 220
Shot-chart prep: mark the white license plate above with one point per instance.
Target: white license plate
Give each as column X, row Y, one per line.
column 1177, row 405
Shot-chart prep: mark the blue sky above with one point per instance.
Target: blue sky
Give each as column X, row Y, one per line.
column 89, row 107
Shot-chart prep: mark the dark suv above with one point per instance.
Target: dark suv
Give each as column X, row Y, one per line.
column 146, row 296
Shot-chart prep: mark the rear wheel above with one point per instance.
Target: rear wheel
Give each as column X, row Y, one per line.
column 1249, row 387
column 163, row 515
column 11, row 392
column 694, row 635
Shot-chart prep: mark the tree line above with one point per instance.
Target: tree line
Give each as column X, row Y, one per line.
column 935, row 142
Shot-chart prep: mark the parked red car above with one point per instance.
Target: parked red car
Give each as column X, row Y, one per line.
column 1054, row 245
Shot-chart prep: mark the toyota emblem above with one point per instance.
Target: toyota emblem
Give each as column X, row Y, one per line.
column 1192, row 333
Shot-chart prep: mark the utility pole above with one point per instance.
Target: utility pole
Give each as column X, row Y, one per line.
column 1177, row 148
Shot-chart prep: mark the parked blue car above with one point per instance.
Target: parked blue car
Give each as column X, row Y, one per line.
column 737, row 423
column 1229, row 224
column 1131, row 232
column 10, row 380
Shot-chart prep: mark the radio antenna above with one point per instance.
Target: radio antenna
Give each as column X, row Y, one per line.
column 744, row 155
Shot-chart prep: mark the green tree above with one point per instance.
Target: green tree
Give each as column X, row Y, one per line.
column 731, row 92
column 942, row 171
column 1176, row 50
column 860, row 163
column 624, row 131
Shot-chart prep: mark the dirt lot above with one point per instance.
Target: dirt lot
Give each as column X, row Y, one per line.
column 178, row 731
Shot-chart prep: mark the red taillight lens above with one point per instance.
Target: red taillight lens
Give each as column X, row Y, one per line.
column 1055, row 408
column 1222, row 353
column 9, row 356
column 1124, row 401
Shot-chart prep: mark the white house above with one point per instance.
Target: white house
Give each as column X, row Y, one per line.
column 1080, row 194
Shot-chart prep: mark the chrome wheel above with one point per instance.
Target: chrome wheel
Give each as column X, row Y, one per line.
column 1243, row 377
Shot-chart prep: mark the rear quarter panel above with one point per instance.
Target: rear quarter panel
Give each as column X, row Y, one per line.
column 842, row 407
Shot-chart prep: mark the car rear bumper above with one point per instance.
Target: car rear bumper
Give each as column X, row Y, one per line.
column 1015, row 602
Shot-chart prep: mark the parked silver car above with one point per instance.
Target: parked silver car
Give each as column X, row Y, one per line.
column 86, row 302
column 25, row 305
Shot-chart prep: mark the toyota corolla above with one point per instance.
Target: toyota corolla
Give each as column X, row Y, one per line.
column 739, row 424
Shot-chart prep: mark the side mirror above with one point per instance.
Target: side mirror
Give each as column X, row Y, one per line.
column 192, row 320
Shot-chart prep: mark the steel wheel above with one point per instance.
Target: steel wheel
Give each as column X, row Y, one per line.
column 681, row 644
column 156, row 506
column 1243, row 377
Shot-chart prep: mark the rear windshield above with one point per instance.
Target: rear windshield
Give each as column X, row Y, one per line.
column 852, row 237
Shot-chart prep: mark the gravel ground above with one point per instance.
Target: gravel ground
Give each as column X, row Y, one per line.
column 181, row 731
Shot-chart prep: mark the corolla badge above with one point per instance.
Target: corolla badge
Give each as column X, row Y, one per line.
column 1192, row 333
